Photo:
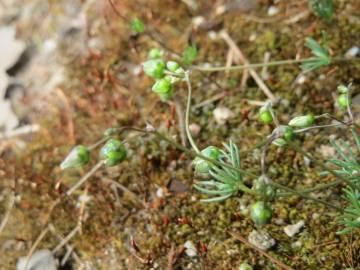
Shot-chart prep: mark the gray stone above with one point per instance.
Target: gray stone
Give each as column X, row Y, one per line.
column 40, row 260
column 261, row 239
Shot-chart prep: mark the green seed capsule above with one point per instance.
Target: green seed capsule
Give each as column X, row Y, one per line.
column 78, row 156
column 343, row 100
column 279, row 142
column 154, row 68
column 302, row 121
column 245, row 266
column 343, row 89
column 162, row 86
column 288, row 133
column 266, row 191
column 172, row 66
column 113, row 152
column 261, row 213
column 202, row 166
column 155, row 53
column 265, row 115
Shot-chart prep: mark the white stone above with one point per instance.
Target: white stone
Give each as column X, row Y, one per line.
column 273, row 10
column 40, row 260
column 190, row 249
column 352, row 52
column 222, row 114
column 293, row 229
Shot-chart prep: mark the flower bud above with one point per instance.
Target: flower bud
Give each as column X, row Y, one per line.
column 154, row 68
column 343, row 100
column 288, row 133
column 265, row 115
column 203, row 166
column 279, row 142
column 155, row 53
column 172, row 66
column 261, row 213
column 163, row 88
column 113, row 152
column 343, row 89
column 302, row 121
column 78, row 156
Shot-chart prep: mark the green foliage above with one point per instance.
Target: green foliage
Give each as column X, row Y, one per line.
column 322, row 8
column 189, row 55
column 224, row 181
column 321, row 56
column 154, row 68
column 349, row 167
column 78, row 157
column 137, row 26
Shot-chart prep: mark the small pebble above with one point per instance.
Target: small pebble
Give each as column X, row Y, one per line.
column 261, row 239
column 40, row 260
column 352, row 52
column 194, row 129
column 273, row 10
column 293, row 229
column 222, row 114
column 190, row 249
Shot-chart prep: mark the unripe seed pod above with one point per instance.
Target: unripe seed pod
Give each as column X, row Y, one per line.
column 154, row 68
column 288, row 133
column 172, row 66
column 155, row 53
column 265, row 115
column 113, row 152
column 302, row 121
column 245, row 266
column 78, row 156
column 162, row 86
column 261, row 213
column 279, row 142
column 343, row 100
column 203, row 166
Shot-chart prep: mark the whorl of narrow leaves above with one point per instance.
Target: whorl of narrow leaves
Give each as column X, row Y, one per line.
column 322, row 8
column 321, row 56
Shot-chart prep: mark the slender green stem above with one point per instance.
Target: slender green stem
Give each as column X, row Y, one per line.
column 317, row 188
column 269, row 64
column 85, row 178
column 252, row 175
column 301, row 194
column 318, row 163
column 187, row 114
